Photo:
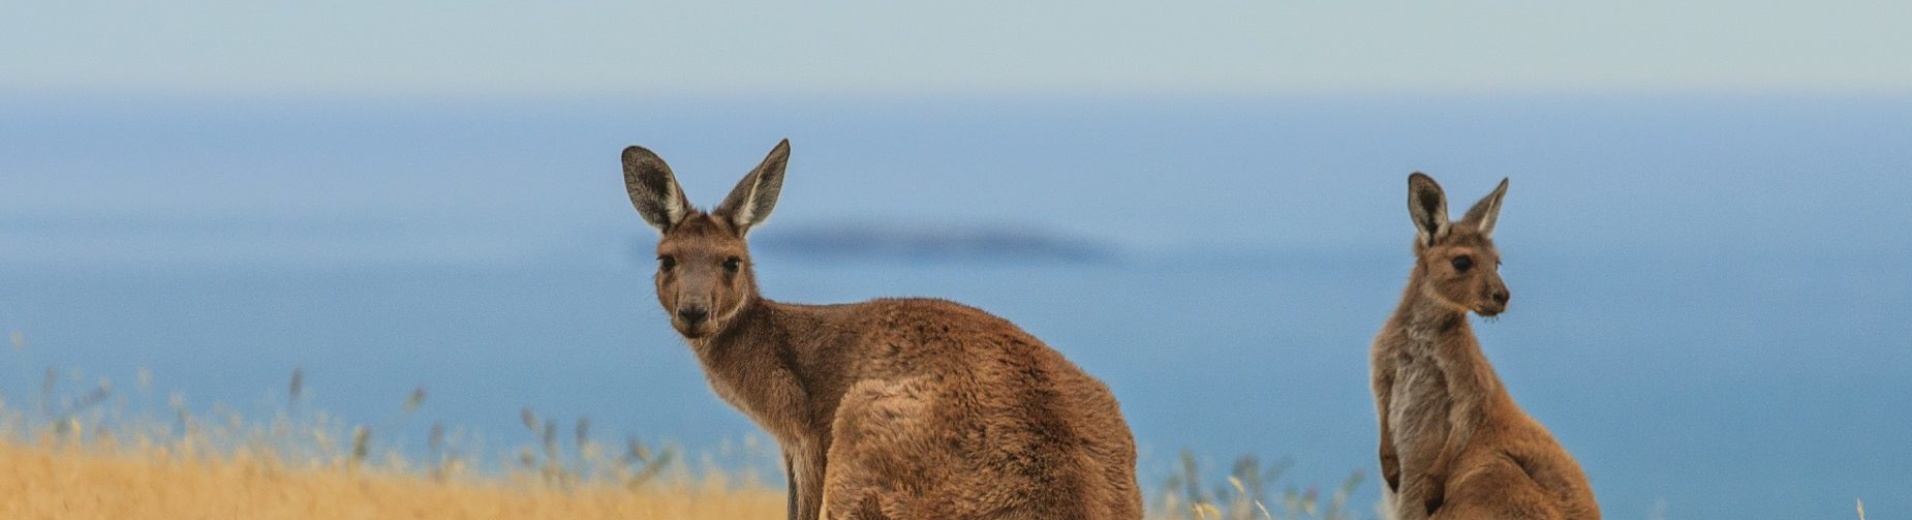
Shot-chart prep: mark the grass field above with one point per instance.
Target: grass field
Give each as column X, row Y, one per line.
column 48, row 480
column 83, row 455
column 45, row 481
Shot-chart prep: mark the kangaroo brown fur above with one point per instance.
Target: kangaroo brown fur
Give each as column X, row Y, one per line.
column 891, row 408
column 1453, row 443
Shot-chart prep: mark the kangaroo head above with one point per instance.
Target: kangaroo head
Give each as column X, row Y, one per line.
column 703, row 264
column 1456, row 261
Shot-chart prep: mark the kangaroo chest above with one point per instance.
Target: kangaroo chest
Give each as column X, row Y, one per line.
column 768, row 394
column 740, row 396
column 1418, row 407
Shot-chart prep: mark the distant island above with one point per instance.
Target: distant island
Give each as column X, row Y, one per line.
column 930, row 243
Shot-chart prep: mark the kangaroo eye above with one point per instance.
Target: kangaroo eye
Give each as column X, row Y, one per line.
column 666, row 262
column 1463, row 263
column 732, row 264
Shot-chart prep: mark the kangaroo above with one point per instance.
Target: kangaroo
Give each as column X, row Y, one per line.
column 1453, row 443
column 890, row 408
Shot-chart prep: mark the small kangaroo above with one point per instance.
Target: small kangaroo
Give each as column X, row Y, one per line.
column 1453, row 443
column 891, row 408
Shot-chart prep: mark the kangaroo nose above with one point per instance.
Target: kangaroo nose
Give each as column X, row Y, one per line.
column 1501, row 296
column 693, row 314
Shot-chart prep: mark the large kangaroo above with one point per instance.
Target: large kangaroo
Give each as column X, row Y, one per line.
column 1453, row 443
column 891, row 408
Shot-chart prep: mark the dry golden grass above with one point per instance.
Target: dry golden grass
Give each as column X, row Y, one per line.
column 64, row 475
column 42, row 480
column 89, row 453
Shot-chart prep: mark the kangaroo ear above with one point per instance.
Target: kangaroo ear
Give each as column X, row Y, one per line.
column 653, row 189
column 1428, row 205
column 1486, row 213
column 749, row 204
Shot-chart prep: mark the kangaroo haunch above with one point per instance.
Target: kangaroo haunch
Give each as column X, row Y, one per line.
column 1453, row 443
column 892, row 408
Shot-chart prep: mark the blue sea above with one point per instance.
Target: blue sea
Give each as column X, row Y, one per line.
column 1711, row 295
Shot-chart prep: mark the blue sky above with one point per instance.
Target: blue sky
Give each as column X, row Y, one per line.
column 989, row 47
